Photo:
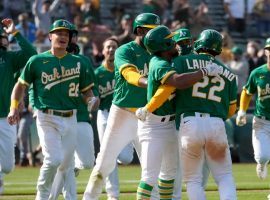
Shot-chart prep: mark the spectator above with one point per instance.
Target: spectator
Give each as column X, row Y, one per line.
column 235, row 14
column 125, row 34
column 201, row 19
column 261, row 11
column 182, row 12
column 227, row 44
column 252, row 55
column 63, row 11
column 42, row 41
column 117, row 14
column 42, row 11
column 12, row 8
column 95, row 34
column 26, row 28
column 90, row 8
column 239, row 67
column 154, row 6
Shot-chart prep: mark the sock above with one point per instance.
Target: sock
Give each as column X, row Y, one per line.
column 165, row 189
column 144, row 191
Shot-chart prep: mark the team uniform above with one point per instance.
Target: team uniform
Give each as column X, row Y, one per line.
column 10, row 63
column 105, row 82
column 158, row 138
column 203, row 109
column 121, row 126
column 56, row 86
column 84, row 150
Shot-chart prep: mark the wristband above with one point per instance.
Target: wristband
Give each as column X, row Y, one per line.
column 204, row 71
column 14, row 104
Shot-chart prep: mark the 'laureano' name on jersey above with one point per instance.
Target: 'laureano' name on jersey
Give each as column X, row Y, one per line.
column 47, row 78
column 198, row 64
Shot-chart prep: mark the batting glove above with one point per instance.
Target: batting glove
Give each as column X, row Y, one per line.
column 241, row 118
column 212, row 69
column 141, row 113
column 92, row 104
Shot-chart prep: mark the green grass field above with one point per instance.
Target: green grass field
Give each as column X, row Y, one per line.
column 21, row 184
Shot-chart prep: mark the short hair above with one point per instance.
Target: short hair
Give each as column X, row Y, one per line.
column 111, row 39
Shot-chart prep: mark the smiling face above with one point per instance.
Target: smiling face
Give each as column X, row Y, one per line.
column 59, row 39
column 109, row 48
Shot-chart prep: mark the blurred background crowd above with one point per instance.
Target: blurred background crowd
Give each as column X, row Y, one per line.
column 244, row 24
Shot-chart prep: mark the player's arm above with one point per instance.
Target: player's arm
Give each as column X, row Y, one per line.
column 16, row 97
column 232, row 109
column 244, row 104
column 133, row 77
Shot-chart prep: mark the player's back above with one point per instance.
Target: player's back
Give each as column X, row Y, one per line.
column 211, row 95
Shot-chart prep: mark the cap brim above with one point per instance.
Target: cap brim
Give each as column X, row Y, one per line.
column 150, row 26
column 60, row 28
column 171, row 35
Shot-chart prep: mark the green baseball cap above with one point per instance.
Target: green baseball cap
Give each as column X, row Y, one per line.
column 237, row 50
column 267, row 43
column 182, row 34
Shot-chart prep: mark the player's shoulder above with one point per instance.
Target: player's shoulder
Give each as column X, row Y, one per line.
column 260, row 69
column 127, row 47
column 40, row 57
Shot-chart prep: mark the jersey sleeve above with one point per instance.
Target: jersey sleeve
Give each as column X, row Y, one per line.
column 164, row 71
column 124, row 57
column 27, row 75
column 178, row 65
column 22, row 56
column 250, row 86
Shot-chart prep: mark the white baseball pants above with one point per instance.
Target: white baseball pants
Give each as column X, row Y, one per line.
column 57, row 136
column 204, row 140
column 125, row 157
column 261, row 140
column 7, row 143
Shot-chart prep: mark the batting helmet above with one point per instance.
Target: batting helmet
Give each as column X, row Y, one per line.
column 60, row 24
column 209, row 40
column 159, row 39
column 267, row 44
column 147, row 20
column 182, row 34
column 73, row 28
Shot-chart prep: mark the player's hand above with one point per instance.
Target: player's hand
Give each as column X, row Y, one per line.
column 212, row 69
column 141, row 113
column 93, row 104
column 9, row 25
column 241, row 118
column 13, row 117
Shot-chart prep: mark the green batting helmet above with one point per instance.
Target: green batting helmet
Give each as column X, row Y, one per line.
column 182, row 34
column 267, row 44
column 147, row 20
column 209, row 40
column 73, row 28
column 60, row 24
column 159, row 39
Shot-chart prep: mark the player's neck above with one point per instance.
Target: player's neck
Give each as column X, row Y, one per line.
column 58, row 52
column 109, row 65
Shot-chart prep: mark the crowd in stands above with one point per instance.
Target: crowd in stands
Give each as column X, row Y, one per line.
column 33, row 19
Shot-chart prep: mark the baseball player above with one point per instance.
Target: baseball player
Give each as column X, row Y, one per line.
column 10, row 63
column 184, row 44
column 131, row 67
column 58, row 78
column 84, row 150
column 105, row 82
column 258, row 82
column 157, row 132
column 203, row 109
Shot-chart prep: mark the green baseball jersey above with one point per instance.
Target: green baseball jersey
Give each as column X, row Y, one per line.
column 125, row 94
column 82, row 112
column 10, row 63
column 159, row 71
column 210, row 95
column 259, row 82
column 56, row 81
column 105, row 82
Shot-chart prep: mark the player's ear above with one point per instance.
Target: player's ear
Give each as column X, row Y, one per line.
column 50, row 36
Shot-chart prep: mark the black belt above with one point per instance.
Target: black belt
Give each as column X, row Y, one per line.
column 170, row 119
column 58, row 113
column 263, row 117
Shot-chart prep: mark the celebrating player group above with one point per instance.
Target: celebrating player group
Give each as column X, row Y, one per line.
column 161, row 94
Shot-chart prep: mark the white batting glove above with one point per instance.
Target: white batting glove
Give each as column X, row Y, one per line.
column 92, row 104
column 241, row 118
column 212, row 69
column 141, row 113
